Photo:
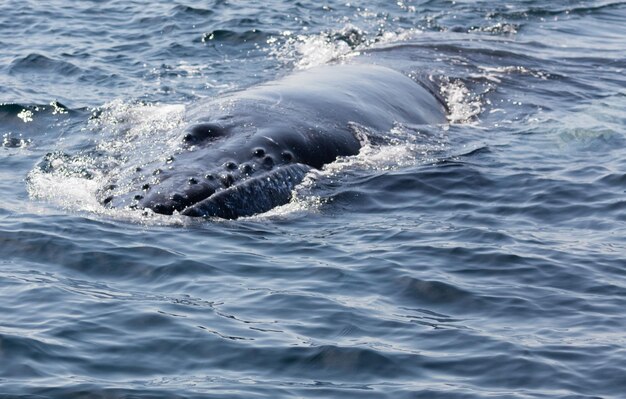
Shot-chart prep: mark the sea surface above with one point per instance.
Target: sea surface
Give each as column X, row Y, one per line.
column 481, row 258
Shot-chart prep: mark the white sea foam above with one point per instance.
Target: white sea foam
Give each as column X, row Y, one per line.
column 124, row 127
column 403, row 146
column 126, row 135
column 304, row 51
column 463, row 105
column 307, row 51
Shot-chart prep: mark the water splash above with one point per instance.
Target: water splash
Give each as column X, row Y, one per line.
column 304, row 51
column 464, row 106
column 125, row 136
column 402, row 146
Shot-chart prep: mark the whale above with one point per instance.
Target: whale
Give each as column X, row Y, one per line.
column 243, row 153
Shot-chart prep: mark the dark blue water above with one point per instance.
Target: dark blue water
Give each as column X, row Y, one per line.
column 481, row 259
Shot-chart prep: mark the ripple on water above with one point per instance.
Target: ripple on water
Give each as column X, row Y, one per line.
column 480, row 259
column 38, row 63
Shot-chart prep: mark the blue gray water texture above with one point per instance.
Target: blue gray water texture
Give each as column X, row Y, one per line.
column 485, row 258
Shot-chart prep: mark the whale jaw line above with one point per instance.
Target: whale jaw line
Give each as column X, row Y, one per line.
column 256, row 194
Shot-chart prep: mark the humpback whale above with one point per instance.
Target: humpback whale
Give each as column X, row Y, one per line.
column 243, row 153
